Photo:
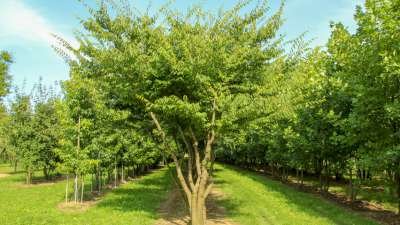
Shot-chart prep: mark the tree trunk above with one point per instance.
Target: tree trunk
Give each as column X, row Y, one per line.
column 46, row 173
column 29, row 176
column 352, row 193
column 100, row 180
column 91, row 183
column 76, row 188
column 397, row 177
column 198, row 214
column 115, row 174
column 66, row 189
column 122, row 173
column 302, row 178
column 83, row 187
column 78, row 146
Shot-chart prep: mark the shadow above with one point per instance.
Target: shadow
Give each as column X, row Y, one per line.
column 311, row 204
column 144, row 194
column 174, row 211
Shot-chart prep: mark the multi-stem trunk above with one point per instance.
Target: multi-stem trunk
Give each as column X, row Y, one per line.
column 197, row 184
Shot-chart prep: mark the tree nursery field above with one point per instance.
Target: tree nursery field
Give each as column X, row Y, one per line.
column 199, row 115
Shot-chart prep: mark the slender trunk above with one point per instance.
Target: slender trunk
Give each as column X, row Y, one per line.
column 302, row 177
column 83, row 187
column 66, row 189
column 91, row 183
column 122, row 173
column 78, row 146
column 46, row 174
column 352, row 196
column 327, row 177
column 15, row 165
column 100, row 181
column 115, row 174
column 28, row 178
column 397, row 182
column 76, row 188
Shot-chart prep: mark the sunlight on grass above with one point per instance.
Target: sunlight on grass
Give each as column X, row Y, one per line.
column 252, row 199
column 133, row 203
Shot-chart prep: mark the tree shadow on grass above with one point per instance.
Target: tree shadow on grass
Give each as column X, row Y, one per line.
column 306, row 203
column 144, row 194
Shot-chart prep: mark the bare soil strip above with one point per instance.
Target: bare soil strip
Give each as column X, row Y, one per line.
column 4, row 175
column 174, row 210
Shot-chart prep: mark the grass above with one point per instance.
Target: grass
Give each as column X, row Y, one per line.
column 252, row 199
column 249, row 199
column 377, row 191
column 132, row 203
column 373, row 192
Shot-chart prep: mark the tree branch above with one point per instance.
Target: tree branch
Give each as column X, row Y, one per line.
column 174, row 158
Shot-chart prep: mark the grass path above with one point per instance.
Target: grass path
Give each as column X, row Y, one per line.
column 133, row 203
column 252, row 199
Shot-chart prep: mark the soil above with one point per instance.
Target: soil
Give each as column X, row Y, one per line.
column 72, row 207
column 174, row 211
column 4, row 175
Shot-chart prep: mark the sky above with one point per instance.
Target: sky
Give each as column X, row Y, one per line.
column 26, row 27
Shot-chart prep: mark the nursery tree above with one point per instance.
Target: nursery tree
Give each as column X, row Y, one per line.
column 22, row 134
column 369, row 62
column 178, row 70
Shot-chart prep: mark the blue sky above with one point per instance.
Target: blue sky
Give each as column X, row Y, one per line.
column 25, row 27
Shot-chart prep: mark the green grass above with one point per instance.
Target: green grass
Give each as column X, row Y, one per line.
column 132, row 203
column 252, row 199
column 374, row 192
column 377, row 191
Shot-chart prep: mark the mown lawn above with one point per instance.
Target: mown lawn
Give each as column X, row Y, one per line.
column 252, row 199
column 249, row 199
column 133, row 203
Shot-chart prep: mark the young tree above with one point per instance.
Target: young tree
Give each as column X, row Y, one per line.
column 46, row 123
column 22, row 134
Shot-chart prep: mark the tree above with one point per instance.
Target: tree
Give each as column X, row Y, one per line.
column 178, row 70
column 369, row 62
column 46, row 124
column 5, row 61
column 22, row 134
column 77, row 113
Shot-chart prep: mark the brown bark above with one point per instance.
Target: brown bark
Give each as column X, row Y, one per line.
column 29, row 176
column 196, row 188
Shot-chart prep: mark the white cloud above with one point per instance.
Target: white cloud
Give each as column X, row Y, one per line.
column 20, row 21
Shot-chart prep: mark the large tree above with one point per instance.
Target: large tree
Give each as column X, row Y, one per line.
column 180, row 71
